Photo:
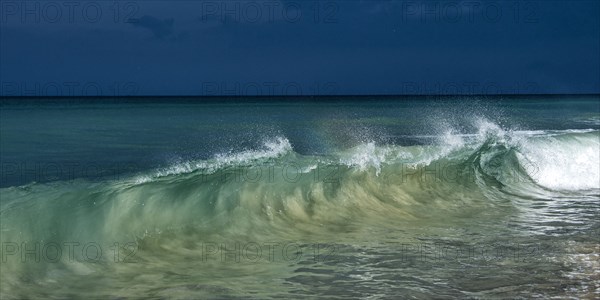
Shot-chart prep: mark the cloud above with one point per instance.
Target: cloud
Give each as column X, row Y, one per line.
column 160, row 28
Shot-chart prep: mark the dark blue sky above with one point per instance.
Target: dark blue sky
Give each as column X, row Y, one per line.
column 286, row 47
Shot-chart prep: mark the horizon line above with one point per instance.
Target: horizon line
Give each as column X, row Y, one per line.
column 5, row 97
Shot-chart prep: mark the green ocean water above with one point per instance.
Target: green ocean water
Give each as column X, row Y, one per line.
column 370, row 197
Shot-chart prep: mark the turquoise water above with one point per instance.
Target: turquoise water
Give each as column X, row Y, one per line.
column 276, row 198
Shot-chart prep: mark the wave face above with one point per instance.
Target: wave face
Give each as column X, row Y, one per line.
column 464, row 189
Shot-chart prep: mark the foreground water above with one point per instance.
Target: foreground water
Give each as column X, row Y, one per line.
column 279, row 198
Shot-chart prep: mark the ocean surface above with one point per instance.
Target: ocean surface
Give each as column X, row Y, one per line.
column 370, row 197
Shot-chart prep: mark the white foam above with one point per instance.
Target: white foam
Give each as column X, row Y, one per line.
column 370, row 155
column 367, row 155
column 271, row 149
column 567, row 164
